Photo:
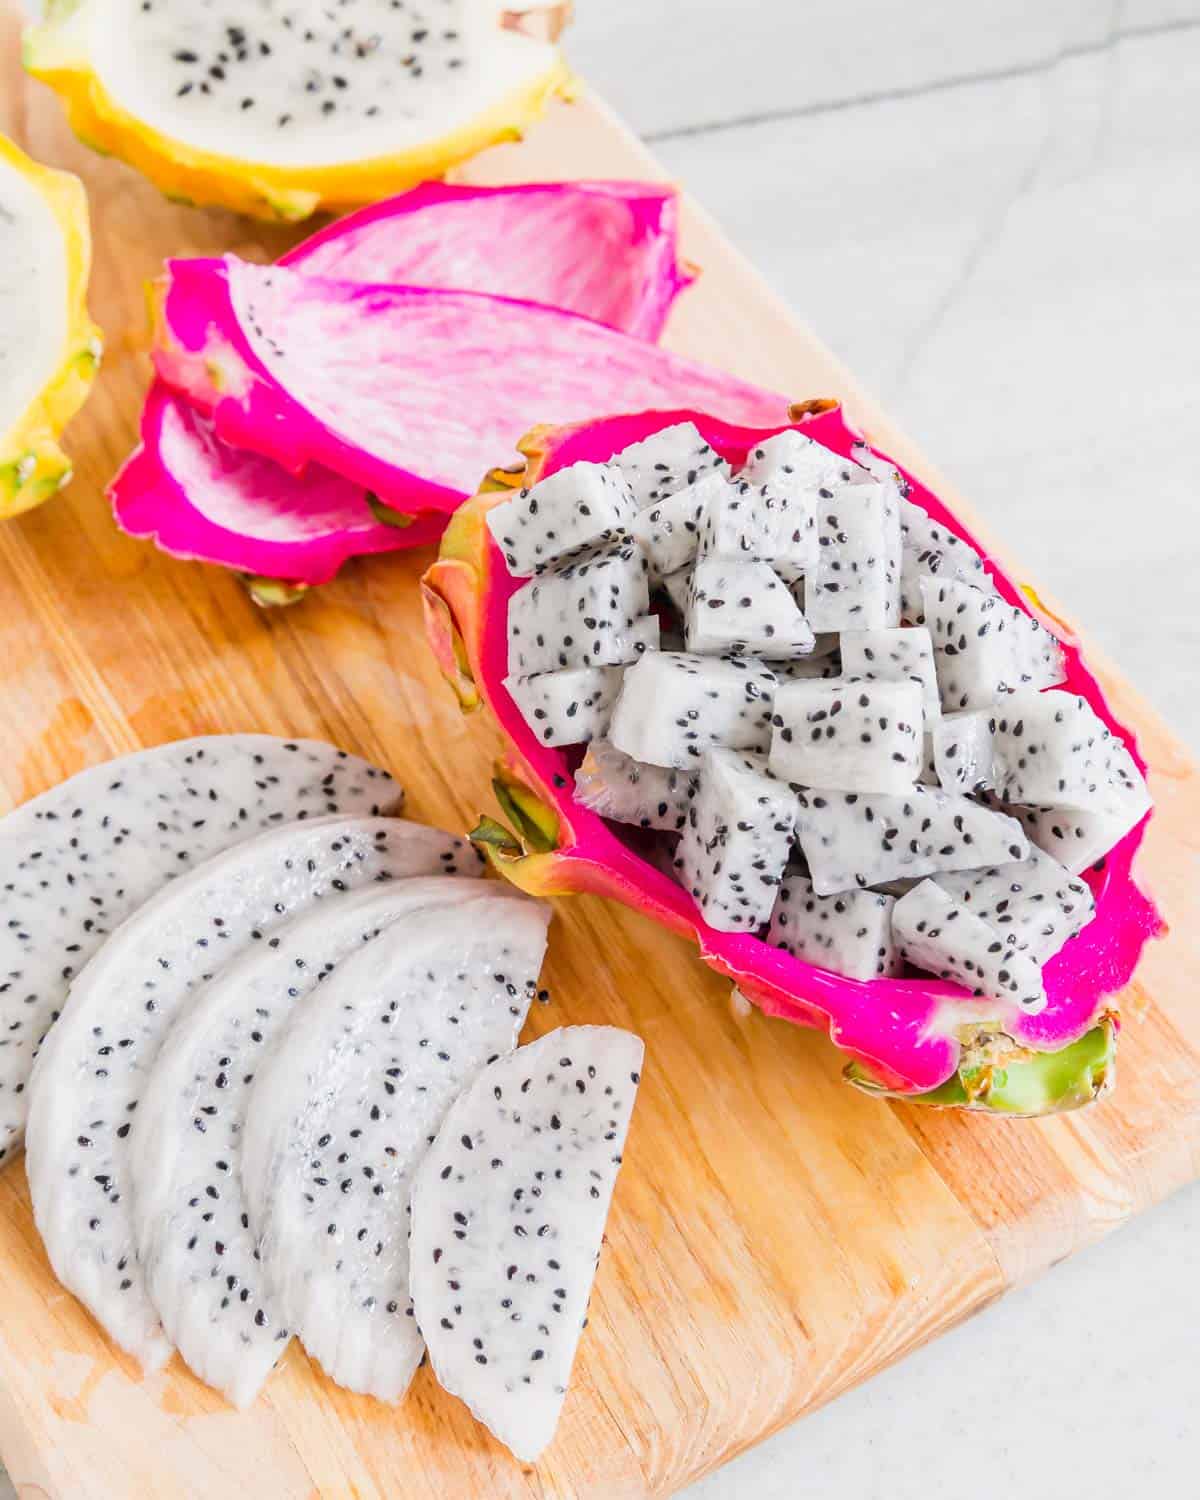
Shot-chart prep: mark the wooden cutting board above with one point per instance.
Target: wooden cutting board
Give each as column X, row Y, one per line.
column 775, row 1237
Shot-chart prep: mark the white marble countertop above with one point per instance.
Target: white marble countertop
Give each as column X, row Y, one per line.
column 992, row 214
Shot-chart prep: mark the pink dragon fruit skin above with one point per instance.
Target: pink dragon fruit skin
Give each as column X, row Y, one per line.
column 409, row 391
column 903, row 1038
column 605, row 250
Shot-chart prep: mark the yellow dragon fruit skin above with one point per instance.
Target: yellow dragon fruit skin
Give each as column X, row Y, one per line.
column 33, row 466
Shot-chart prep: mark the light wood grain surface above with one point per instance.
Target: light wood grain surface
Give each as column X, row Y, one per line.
column 775, row 1237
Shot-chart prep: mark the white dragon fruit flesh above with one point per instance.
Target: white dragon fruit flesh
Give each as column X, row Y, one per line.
column 568, row 707
column 89, row 1076
column 669, row 530
column 581, row 615
column 962, row 750
column 752, row 522
column 901, row 653
column 930, row 550
column 1077, row 840
column 79, row 859
column 674, row 705
column 194, row 1242
column 985, row 647
column 735, row 847
column 855, row 584
column 612, row 784
column 508, row 1216
column 850, row 933
column 852, row 840
column 342, row 1113
column 1037, row 905
column 851, row 737
column 667, row 462
column 573, row 508
column 944, row 937
column 744, row 609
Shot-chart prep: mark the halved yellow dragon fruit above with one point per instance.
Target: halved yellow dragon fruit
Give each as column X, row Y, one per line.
column 628, row 606
column 289, row 108
column 51, row 347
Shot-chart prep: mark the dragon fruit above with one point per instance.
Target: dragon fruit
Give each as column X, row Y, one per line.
column 190, row 1217
column 280, row 113
column 89, row 1075
column 51, row 345
column 1054, row 748
column 962, row 750
column 83, row 856
column 561, row 515
column 582, row 615
column 850, row 737
column 855, row 584
column 945, row 937
column 743, row 609
column 755, row 523
column 737, row 840
column 673, row 706
column 911, row 1036
column 342, row 1113
column 612, row 784
column 850, row 933
column 984, row 647
column 508, row 1215
column 199, row 498
column 669, row 460
column 1036, row 904
column 568, row 707
column 668, row 531
column 899, row 654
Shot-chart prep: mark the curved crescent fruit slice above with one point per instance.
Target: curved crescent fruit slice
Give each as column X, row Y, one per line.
column 89, row 1077
column 288, row 111
column 508, row 1214
column 908, row 1035
column 355, row 377
column 605, row 250
column 196, row 1249
column 343, row 1113
column 79, row 859
column 51, row 347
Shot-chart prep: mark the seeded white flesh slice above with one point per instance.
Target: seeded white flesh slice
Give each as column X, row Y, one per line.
column 568, row 707
column 744, row 609
column 750, row 521
column 90, row 1074
column 674, row 705
column 342, row 1113
column 962, row 750
column 899, row 654
column 508, row 1216
column 616, row 786
column 190, row 1217
column 1036, row 905
column 855, row 584
column 1078, row 840
column 851, row 737
column 936, row 933
column 850, row 934
column 985, row 647
column 666, row 462
column 583, row 614
column 79, row 859
column 1053, row 749
column 856, row 839
column 669, row 530
column 572, row 508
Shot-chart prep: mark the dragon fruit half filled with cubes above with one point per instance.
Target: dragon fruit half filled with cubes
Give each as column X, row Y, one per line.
column 762, row 686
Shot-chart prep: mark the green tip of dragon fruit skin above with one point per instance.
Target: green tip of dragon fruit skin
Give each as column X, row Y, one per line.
column 1048, row 1083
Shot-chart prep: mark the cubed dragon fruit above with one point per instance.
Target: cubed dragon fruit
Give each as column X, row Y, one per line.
column 669, row 530
column 568, row 707
column 897, row 654
column 735, row 847
column 611, row 783
column 985, row 647
column 795, row 465
column 743, row 609
column 962, row 750
column 856, row 582
column 1036, row 905
column 945, row 938
column 852, row 840
column 809, row 668
column 674, row 705
column 850, row 737
column 667, row 461
column 930, row 549
column 753, row 522
column 1077, row 840
column 850, row 934
column 570, row 509
column 582, row 615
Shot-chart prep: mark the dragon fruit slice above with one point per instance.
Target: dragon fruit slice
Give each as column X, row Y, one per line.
column 673, row 706
column 508, row 1215
column 342, row 1113
column 353, row 376
column 616, row 786
column 962, row 750
column 737, row 841
column 671, row 459
column 855, row 584
column 743, row 609
column 1037, row 905
column 669, row 530
column 916, row 1037
column 1053, row 748
column 89, row 1075
column 561, row 514
column 851, row 737
column 945, row 937
column 583, row 614
column 1078, row 840
column 984, row 647
column 756, row 523
column 899, row 654
column 850, row 934
column 190, row 1216
column 83, row 856
column 568, row 707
